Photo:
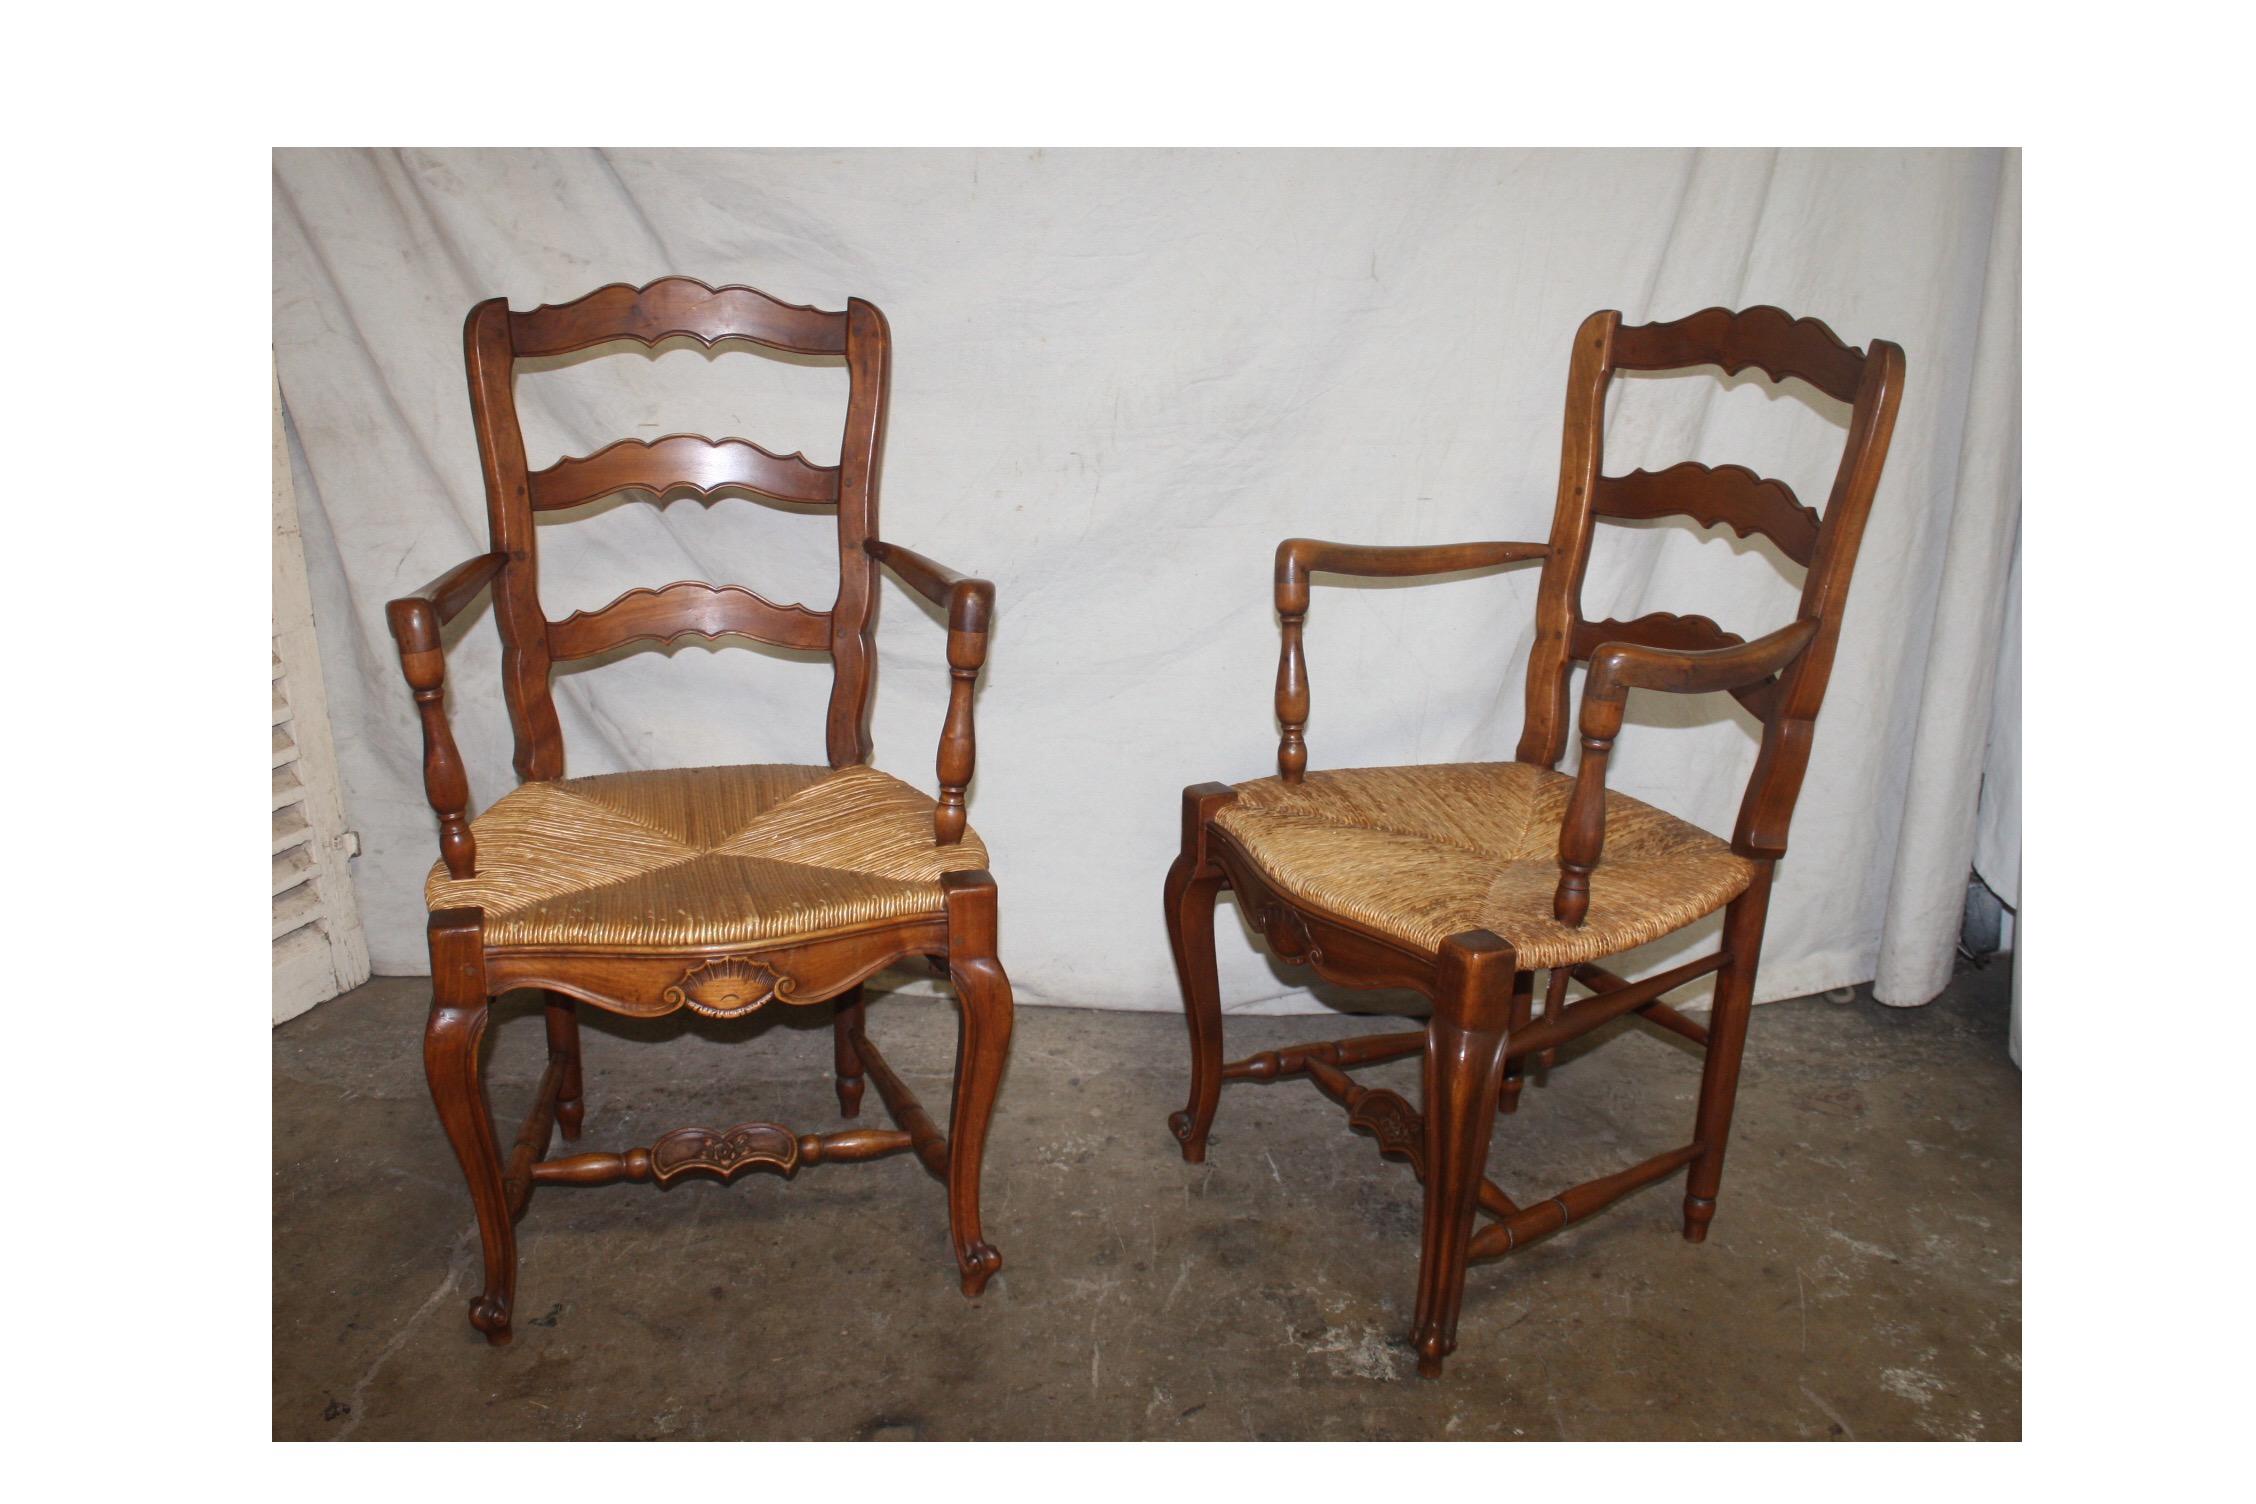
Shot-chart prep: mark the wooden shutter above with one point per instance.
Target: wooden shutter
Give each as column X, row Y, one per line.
column 319, row 949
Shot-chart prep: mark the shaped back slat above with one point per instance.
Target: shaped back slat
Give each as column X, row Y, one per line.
column 687, row 608
column 1768, row 339
column 1661, row 629
column 676, row 308
column 1726, row 495
column 682, row 462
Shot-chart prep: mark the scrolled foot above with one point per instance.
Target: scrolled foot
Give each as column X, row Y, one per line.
column 1189, row 1135
column 1699, row 1211
column 491, row 1317
column 979, row 1263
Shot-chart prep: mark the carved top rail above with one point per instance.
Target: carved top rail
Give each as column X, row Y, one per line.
column 676, row 307
column 1768, row 339
column 682, row 462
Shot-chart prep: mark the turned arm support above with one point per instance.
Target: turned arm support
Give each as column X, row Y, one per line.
column 415, row 621
column 1616, row 668
column 970, row 604
column 1298, row 558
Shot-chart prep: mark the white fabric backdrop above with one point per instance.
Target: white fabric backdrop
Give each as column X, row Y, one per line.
column 1120, row 378
column 1958, row 712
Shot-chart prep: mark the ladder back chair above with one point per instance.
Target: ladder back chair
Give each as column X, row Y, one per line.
column 720, row 890
column 1462, row 881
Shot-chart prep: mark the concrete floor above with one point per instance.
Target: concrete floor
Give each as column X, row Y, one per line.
column 1862, row 1278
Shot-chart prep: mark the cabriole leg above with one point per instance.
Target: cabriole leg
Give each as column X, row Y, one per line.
column 1190, row 931
column 1192, row 887
column 1464, row 1073
column 848, row 1020
column 564, row 1047
column 1727, row 1038
column 450, row 1063
column 983, row 998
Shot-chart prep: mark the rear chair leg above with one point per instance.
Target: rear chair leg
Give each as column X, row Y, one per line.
column 1727, row 1038
column 845, row 1024
column 564, row 1046
column 1554, row 1003
column 983, row 996
column 1515, row 1070
column 1464, row 1073
column 1193, row 885
column 450, row 1063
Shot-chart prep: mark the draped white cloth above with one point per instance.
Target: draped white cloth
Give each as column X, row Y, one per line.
column 1120, row 378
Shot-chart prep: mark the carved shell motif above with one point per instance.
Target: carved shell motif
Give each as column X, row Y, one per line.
column 1288, row 937
column 1399, row 1128
column 728, row 988
column 747, row 1146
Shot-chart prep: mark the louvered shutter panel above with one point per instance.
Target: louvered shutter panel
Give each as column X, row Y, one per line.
column 319, row 949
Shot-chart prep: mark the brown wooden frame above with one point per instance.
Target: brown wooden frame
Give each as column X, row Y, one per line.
column 1483, row 1029
column 724, row 983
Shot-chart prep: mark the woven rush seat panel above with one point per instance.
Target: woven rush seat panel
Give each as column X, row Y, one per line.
column 688, row 858
column 1419, row 854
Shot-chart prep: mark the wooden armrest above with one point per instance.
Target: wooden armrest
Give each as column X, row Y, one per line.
column 967, row 600
column 970, row 604
column 415, row 622
column 1616, row 668
column 415, row 619
column 1298, row 558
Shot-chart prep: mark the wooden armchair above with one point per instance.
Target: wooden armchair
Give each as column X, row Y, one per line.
column 1461, row 881
column 720, row 890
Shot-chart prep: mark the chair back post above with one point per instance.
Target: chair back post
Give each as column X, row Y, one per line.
column 1775, row 785
column 853, row 618
column 490, row 360
column 1558, row 594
